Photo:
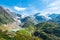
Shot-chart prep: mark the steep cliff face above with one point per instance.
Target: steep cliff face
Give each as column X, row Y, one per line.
column 5, row 17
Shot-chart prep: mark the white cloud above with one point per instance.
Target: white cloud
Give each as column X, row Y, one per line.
column 55, row 3
column 53, row 7
column 19, row 8
column 33, row 10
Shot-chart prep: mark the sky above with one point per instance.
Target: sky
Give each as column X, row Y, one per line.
column 30, row 7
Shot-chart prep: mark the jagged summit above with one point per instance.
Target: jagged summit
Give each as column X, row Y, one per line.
column 5, row 17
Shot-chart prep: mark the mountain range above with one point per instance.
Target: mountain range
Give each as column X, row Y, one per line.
column 37, row 18
column 36, row 26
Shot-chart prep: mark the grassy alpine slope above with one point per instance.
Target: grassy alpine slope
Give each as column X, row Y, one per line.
column 4, row 16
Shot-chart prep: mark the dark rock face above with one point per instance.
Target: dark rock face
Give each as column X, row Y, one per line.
column 55, row 18
column 39, row 18
column 36, row 33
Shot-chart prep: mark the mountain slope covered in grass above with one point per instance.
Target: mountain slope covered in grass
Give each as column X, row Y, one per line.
column 4, row 16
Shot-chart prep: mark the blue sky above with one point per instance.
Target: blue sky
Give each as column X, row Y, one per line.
column 30, row 7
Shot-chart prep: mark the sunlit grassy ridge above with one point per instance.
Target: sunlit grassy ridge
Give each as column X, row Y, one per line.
column 41, row 31
column 19, row 35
